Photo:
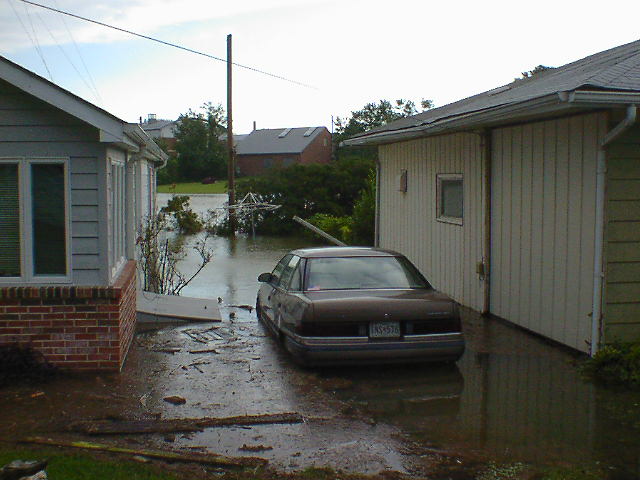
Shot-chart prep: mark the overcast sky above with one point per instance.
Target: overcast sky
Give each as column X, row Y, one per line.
column 353, row 52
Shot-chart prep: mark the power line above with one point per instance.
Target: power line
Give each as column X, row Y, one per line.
column 34, row 42
column 279, row 77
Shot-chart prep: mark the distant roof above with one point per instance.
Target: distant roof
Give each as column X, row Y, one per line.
column 614, row 70
column 156, row 124
column 278, row 140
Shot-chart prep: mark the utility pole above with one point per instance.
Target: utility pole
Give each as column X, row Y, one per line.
column 231, row 166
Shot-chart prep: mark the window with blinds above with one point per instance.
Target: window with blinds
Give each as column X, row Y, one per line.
column 9, row 220
column 34, row 221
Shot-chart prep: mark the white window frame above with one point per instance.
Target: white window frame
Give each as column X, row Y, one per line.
column 26, row 221
column 117, row 216
column 440, row 178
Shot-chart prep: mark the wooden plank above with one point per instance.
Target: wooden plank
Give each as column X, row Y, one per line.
column 49, row 134
column 170, row 456
column 85, row 262
column 623, row 189
column 47, row 149
column 624, row 168
column 128, row 427
column 621, row 331
column 84, row 213
column 622, row 313
column 84, row 164
column 84, row 246
column 623, row 210
column 84, row 181
column 623, row 293
column 84, row 197
column 154, row 305
column 84, row 229
column 20, row 117
column 623, row 231
column 623, row 251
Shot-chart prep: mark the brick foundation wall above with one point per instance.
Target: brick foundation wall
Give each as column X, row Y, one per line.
column 78, row 328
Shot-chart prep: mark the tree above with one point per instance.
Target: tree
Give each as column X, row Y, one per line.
column 535, row 71
column 200, row 151
column 370, row 116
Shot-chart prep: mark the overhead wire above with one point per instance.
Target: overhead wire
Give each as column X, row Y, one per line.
column 34, row 42
column 174, row 45
column 86, row 69
column 55, row 41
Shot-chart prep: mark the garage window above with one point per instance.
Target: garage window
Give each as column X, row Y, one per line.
column 449, row 198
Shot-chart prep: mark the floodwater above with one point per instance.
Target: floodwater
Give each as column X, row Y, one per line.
column 511, row 398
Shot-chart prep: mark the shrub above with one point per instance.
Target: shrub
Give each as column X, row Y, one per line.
column 187, row 221
column 338, row 227
column 616, row 364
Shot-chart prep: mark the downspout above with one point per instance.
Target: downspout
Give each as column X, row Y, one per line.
column 376, row 235
column 598, row 266
column 130, row 230
column 485, row 271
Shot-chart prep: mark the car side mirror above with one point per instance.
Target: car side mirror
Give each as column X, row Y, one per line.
column 265, row 277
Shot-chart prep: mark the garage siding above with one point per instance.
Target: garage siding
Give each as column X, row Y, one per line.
column 543, row 223
column 447, row 254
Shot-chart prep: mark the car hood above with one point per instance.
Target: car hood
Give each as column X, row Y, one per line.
column 368, row 305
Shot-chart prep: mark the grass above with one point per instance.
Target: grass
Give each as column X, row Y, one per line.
column 194, row 187
column 78, row 466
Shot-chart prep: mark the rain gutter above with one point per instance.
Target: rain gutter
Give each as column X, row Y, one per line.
column 598, row 265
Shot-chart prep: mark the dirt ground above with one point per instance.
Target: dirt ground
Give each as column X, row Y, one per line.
column 420, row 421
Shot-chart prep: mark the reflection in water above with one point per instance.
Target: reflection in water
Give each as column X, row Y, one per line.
column 512, row 396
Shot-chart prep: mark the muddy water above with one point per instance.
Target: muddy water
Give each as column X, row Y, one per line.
column 511, row 398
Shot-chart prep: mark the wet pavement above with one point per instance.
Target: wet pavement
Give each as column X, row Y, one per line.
column 511, row 398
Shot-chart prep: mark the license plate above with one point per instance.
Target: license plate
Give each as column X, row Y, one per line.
column 384, row 330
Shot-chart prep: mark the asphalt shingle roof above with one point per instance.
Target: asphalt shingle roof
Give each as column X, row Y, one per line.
column 268, row 141
column 617, row 69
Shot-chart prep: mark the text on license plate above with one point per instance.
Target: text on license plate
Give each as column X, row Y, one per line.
column 384, row 330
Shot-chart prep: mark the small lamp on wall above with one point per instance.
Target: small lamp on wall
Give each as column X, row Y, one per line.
column 402, row 181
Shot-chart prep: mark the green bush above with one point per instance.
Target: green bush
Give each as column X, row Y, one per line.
column 338, row 227
column 616, row 364
column 187, row 221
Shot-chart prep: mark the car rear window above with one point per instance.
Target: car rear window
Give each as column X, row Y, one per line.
column 348, row 273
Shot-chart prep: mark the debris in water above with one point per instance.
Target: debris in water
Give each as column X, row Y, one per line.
column 143, row 400
column 19, row 469
column 208, row 350
column 217, row 460
column 36, row 395
column 203, row 336
column 127, row 427
column 175, row 400
column 219, row 299
column 170, row 350
column 244, row 307
column 254, row 448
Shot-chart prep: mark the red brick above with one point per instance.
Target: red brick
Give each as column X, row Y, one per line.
column 20, row 309
column 76, row 358
column 39, row 309
column 86, row 336
column 63, row 308
column 40, row 323
column 108, row 308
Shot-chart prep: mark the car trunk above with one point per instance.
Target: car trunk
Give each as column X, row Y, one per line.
column 352, row 312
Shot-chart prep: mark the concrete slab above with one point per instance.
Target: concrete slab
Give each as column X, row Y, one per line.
column 153, row 307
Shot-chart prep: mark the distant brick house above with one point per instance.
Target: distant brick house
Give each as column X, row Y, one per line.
column 273, row 148
column 161, row 129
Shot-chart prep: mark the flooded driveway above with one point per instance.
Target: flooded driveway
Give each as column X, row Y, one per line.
column 511, row 398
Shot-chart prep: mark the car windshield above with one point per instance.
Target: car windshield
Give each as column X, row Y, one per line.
column 362, row 273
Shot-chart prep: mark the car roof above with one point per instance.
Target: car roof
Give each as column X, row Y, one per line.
column 320, row 252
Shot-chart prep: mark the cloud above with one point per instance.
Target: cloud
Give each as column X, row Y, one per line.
column 26, row 24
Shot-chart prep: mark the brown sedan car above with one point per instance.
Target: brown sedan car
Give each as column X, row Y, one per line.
column 340, row 305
